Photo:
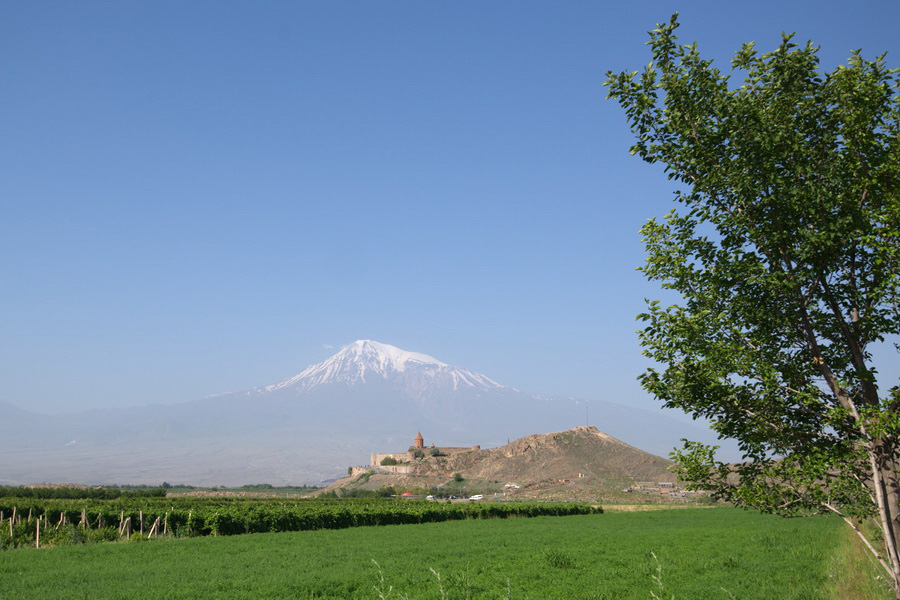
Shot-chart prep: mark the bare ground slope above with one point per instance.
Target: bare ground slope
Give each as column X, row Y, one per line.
column 561, row 464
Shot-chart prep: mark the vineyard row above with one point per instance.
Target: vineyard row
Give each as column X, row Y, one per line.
column 72, row 521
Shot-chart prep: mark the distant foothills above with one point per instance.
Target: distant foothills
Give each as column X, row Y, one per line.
column 307, row 428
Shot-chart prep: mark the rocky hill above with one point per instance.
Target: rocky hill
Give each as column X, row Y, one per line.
column 562, row 464
column 564, row 454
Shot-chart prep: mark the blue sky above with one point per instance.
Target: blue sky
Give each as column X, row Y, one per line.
column 200, row 197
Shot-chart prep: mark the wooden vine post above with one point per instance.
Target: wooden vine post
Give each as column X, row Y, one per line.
column 125, row 527
column 154, row 529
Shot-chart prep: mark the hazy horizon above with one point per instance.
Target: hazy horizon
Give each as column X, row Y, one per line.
column 203, row 198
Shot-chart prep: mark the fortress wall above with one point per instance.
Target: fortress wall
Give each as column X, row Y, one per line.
column 375, row 459
column 401, row 469
column 395, row 469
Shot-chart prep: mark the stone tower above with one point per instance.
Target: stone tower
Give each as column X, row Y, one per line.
column 419, row 442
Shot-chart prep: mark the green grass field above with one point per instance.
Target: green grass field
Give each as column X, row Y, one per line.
column 715, row 553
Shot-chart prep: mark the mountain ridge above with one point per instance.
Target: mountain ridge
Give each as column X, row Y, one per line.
column 351, row 364
column 306, row 428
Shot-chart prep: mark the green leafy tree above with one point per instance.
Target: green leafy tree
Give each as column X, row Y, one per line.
column 785, row 255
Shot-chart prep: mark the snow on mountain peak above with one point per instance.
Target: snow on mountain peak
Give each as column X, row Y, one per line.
column 385, row 355
column 366, row 358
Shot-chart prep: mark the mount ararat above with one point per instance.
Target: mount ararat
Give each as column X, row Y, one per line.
column 369, row 397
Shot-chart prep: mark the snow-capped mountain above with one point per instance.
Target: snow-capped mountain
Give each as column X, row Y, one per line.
column 364, row 361
column 369, row 397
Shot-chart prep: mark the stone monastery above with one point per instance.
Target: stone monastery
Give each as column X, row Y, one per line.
column 416, row 451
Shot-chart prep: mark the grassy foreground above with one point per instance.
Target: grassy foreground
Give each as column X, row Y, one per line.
column 699, row 554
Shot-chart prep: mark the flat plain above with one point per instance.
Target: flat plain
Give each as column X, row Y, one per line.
column 717, row 553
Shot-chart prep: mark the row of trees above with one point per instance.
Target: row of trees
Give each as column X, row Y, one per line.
column 98, row 493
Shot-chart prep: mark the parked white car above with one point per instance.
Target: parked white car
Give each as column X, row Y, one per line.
column 476, row 497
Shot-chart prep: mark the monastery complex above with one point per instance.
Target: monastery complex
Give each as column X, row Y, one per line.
column 416, row 451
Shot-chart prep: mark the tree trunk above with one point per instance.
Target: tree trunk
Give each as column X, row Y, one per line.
column 887, row 495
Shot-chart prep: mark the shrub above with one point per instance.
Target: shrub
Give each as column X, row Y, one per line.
column 388, row 461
